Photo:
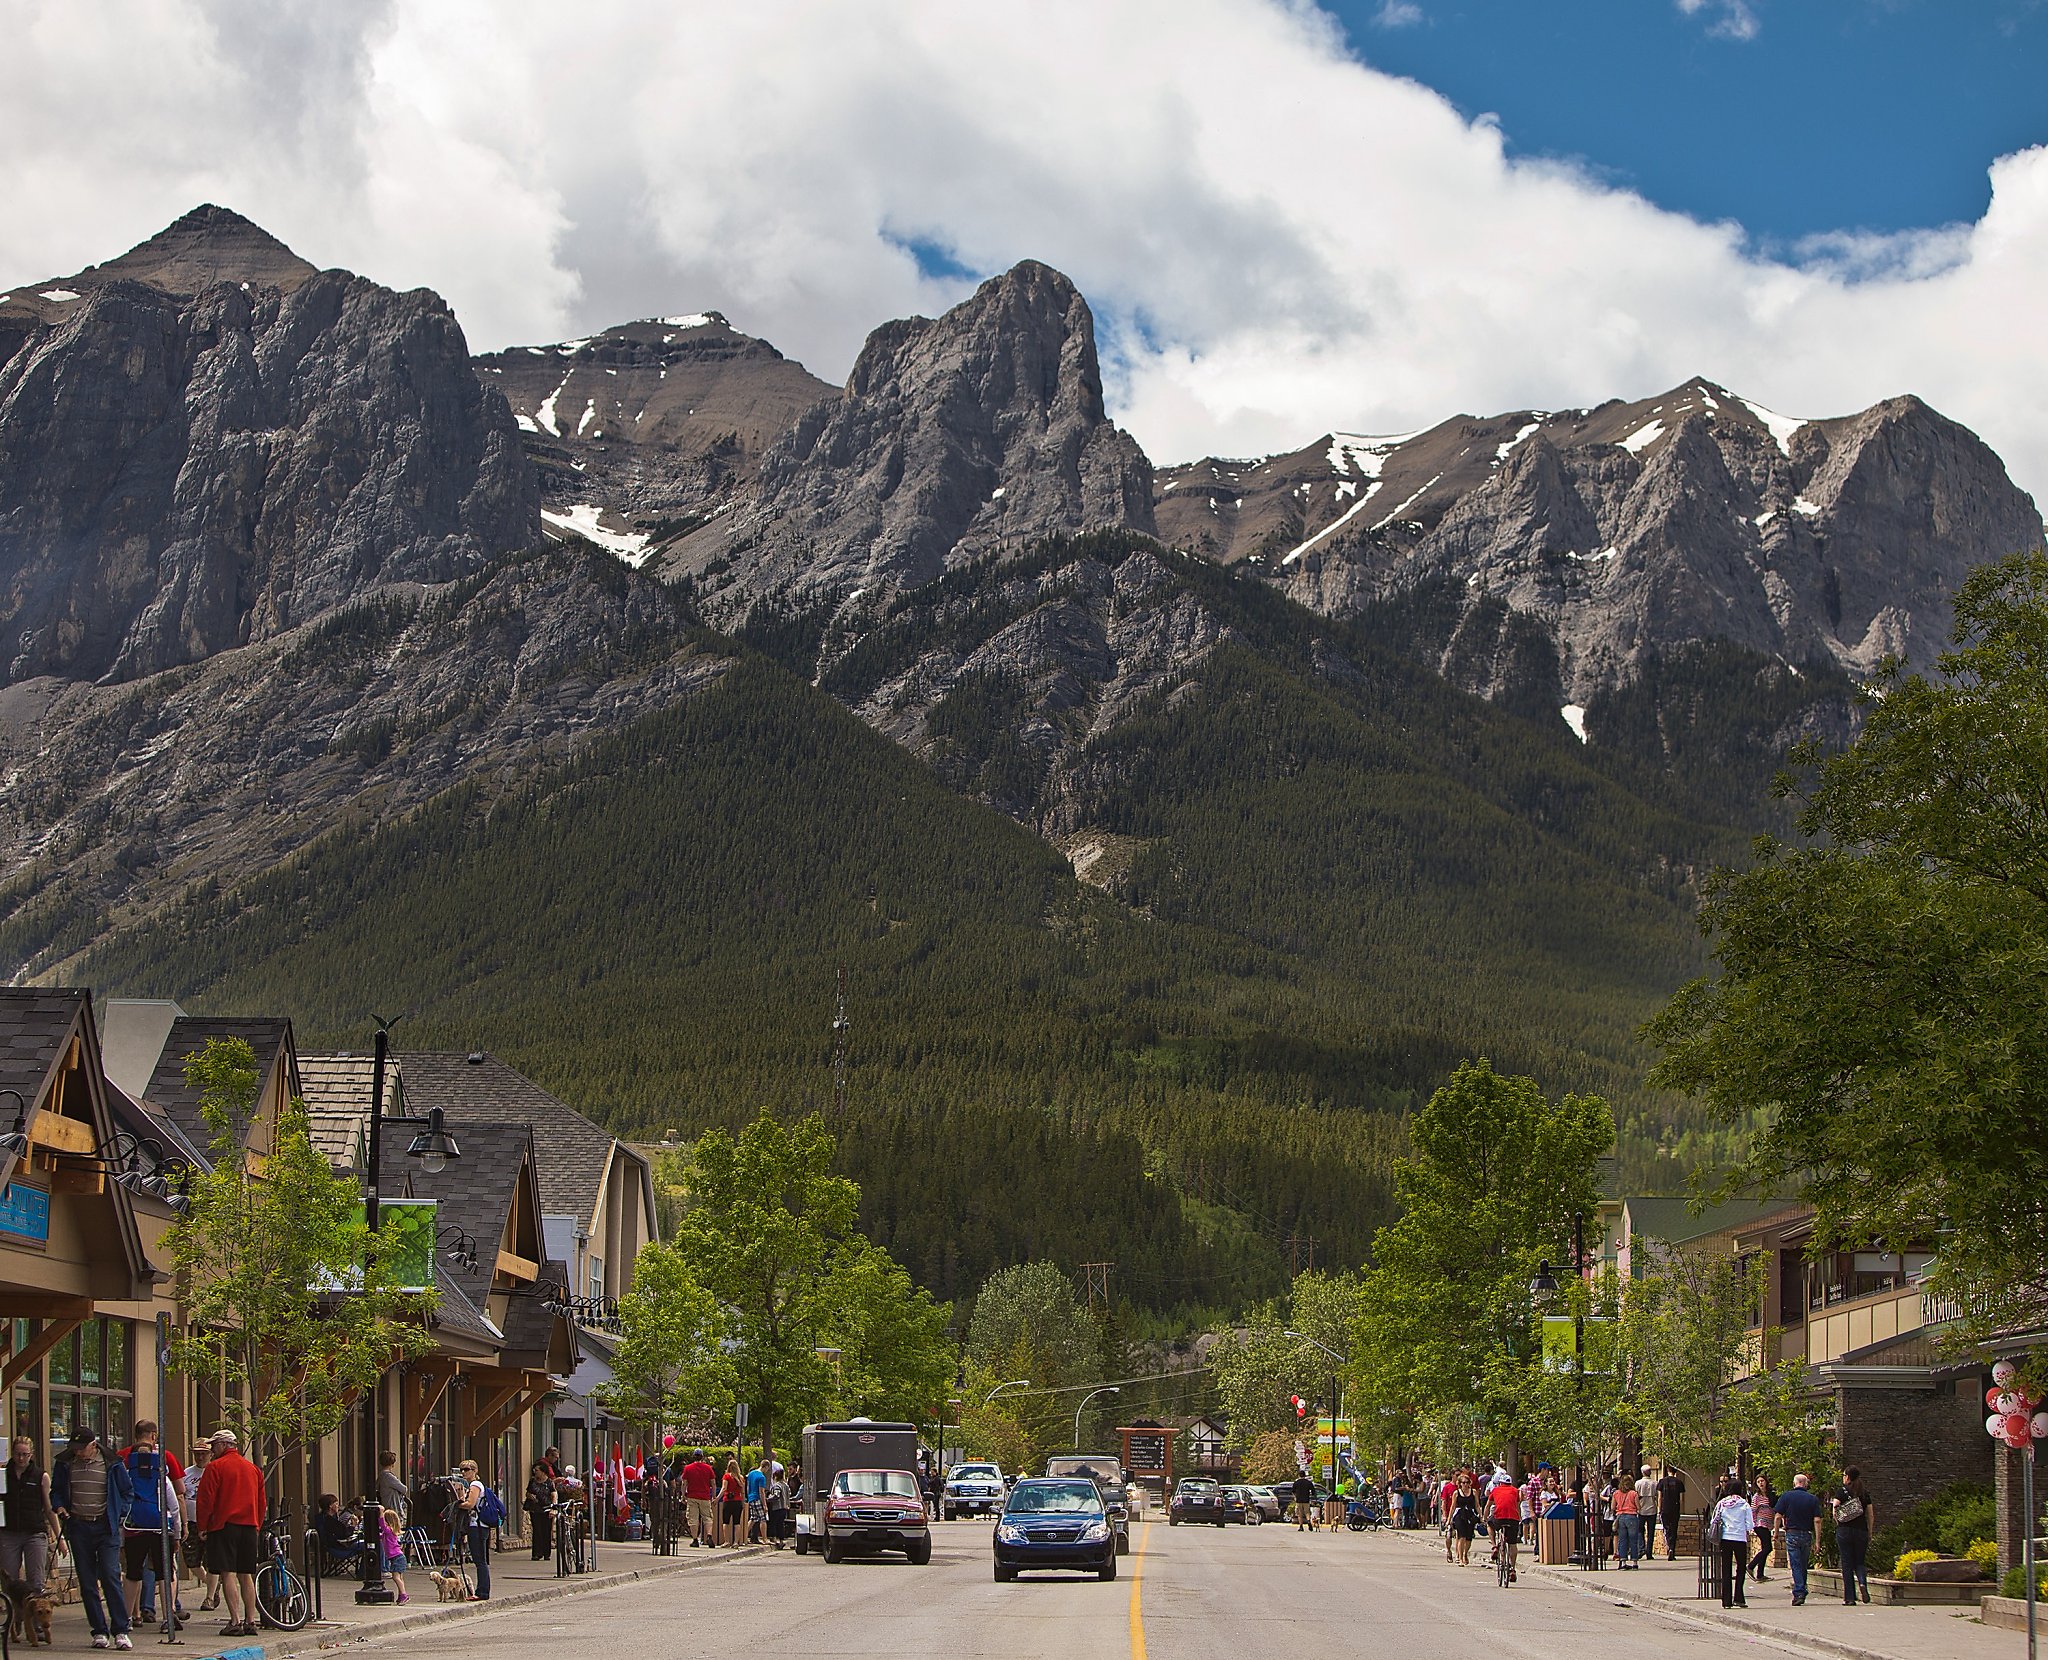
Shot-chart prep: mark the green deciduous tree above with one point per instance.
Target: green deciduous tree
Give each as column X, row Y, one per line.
column 1882, row 988
column 894, row 1360
column 1446, row 1320
column 289, row 1312
column 1257, row 1366
column 1032, row 1312
column 670, row 1362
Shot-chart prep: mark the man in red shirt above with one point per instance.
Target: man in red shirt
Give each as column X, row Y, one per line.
column 1504, row 1517
column 231, row 1503
column 700, row 1482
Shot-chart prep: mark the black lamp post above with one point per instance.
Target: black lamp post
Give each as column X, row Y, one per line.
column 1544, row 1285
column 433, row 1146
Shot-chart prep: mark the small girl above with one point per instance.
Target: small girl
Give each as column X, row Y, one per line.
column 394, row 1553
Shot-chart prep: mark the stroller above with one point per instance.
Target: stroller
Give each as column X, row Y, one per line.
column 1361, row 1513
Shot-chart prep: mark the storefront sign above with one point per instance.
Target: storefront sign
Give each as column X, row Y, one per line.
column 25, row 1211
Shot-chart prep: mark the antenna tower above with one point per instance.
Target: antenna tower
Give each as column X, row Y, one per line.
column 840, row 1028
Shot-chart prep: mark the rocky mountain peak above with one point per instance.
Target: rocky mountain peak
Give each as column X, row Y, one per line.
column 206, row 441
column 955, row 436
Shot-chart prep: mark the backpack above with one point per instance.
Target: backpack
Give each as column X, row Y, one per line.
column 146, row 1471
column 490, row 1510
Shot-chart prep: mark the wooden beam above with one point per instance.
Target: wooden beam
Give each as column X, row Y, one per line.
column 66, row 1178
column 44, row 1305
column 425, row 1384
column 22, row 1361
column 523, row 1402
column 61, row 1134
column 518, row 1267
column 485, row 1403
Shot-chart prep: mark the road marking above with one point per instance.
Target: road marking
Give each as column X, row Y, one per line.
column 1137, row 1592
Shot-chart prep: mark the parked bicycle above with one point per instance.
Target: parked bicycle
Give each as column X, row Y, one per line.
column 572, row 1540
column 281, row 1600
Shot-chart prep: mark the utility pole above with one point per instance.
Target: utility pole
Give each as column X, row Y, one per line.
column 840, row 1028
column 1098, row 1282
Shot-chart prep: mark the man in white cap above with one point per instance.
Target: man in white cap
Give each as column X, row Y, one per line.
column 231, row 1504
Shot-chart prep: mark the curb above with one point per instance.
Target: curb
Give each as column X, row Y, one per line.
column 327, row 1636
column 1601, row 1585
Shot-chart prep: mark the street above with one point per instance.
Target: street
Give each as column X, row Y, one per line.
column 1190, row 1593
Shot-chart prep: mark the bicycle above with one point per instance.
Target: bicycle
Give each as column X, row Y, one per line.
column 281, row 1600
column 571, row 1534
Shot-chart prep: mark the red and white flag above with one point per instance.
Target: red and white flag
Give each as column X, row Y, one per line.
column 619, row 1481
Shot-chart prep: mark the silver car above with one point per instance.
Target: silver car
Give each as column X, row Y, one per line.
column 972, row 1490
column 1259, row 1504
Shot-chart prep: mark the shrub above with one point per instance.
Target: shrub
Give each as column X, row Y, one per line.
column 1965, row 1505
column 2015, row 1583
column 1909, row 1560
column 1984, row 1552
column 1965, row 1515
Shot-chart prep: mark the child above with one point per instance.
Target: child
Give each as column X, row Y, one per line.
column 394, row 1554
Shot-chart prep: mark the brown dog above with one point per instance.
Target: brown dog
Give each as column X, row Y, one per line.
column 28, row 1616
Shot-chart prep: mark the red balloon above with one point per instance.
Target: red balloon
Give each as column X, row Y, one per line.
column 2019, row 1428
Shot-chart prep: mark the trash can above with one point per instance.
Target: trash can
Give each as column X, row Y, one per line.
column 1554, row 1541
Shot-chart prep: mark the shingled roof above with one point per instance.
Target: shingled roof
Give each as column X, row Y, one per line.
column 336, row 1090
column 474, row 1193
column 177, row 1100
column 571, row 1154
column 34, row 1026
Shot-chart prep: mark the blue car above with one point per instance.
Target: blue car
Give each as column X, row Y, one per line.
column 1055, row 1522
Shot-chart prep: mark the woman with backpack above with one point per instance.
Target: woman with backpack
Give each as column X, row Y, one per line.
column 484, row 1511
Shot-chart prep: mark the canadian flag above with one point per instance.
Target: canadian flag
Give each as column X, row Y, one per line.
column 619, row 1481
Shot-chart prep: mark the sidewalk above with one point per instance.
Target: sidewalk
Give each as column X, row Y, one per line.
column 516, row 1580
column 1821, row 1626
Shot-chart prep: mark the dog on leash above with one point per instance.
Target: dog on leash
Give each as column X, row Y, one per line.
column 28, row 1615
column 451, row 1586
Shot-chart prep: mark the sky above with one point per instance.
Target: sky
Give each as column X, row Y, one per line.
column 1288, row 218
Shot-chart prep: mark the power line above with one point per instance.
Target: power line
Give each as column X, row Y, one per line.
column 1105, row 1383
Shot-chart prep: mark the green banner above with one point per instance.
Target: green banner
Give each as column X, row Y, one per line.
column 1567, row 1349
column 411, row 1225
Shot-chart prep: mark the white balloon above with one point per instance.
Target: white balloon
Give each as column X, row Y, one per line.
column 2003, row 1373
column 1995, row 1424
column 2040, row 1426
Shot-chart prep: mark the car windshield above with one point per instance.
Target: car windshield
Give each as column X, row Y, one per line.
column 1198, row 1487
column 975, row 1472
column 1041, row 1498
column 874, row 1484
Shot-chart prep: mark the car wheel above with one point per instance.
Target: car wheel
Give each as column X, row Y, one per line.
column 834, row 1551
column 1108, row 1569
column 947, row 1513
column 1173, row 1521
column 920, row 1553
column 1123, row 1544
column 803, row 1544
column 1004, row 1574
column 1254, row 1517
column 1219, row 1521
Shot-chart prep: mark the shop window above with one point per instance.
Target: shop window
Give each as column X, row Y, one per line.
column 91, row 1381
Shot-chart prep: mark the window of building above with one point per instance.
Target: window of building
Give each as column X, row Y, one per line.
column 92, row 1381
column 596, row 1275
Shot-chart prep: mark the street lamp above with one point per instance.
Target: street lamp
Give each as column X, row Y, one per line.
column 1106, row 1389
column 1014, row 1383
column 1336, row 1360
column 1545, row 1285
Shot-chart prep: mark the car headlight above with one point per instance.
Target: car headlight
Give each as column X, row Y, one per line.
column 1095, row 1533
column 1010, row 1533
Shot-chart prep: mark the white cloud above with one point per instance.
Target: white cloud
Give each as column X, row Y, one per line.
column 1278, row 239
column 1397, row 14
column 1730, row 19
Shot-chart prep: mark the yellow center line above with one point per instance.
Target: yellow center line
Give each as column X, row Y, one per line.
column 1137, row 1593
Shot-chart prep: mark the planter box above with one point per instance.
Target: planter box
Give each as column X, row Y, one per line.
column 2007, row 1613
column 1827, row 1582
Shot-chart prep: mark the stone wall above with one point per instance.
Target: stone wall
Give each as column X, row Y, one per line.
column 1911, row 1443
column 2012, row 1537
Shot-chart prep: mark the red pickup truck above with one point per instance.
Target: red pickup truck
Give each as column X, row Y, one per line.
column 876, row 1510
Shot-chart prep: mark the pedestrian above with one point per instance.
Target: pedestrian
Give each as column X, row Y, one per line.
column 1304, row 1503
column 1464, row 1518
column 540, row 1508
column 757, row 1501
column 195, row 1540
column 1763, row 1501
column 1628, row 1524
column 230, row 1505
column 391, row 1493
column 1797, row 1512
column 700, row 1489
column 388, row 1524
column 91, row 1495
column 28, row 1521
column 153, row 1526
column 1733, row 1524
column 778, row 1508
column 1670, row 1491
column 1853, row 1509
column 477, row 1526
column 732, row 1503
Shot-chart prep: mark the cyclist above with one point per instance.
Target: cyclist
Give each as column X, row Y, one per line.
column 1504, row 1514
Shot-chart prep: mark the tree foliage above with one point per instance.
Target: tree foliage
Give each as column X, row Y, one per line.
column 1446, row 1319
column 1883, row 982
column 289, row 1307
column 670, row 1360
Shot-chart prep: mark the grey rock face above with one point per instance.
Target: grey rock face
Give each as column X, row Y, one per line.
column 953, row 438
column 1632, row 529
column 183, row 472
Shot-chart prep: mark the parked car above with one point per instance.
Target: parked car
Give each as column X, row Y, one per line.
column 1055, row 1522
column 972, row 1490
column 1259, row 1504
column 876, row 1510
column 1197, row 1499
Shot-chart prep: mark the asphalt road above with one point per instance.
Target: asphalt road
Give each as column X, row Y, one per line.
column 1185, row 1593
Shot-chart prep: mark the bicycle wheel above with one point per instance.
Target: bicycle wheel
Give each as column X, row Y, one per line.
column 281, row 1598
